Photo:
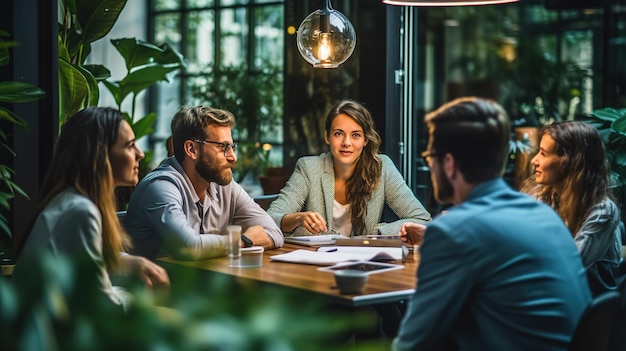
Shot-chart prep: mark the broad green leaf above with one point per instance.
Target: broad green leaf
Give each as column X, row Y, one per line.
column 97, row 17
column 4, row 200
column 144, row 126
column 606, row 114
column 62, row 49
column 73, row 90
column 136, row 52
column 619, row 125
column 8, row 115
column 144, row 77
column 620, row 157
column 6, row 172
column 94, row 91
column 99, row 72
column 170, row 56
column 115, row 90
column 15, row 189
column 86, row 22
column 19, row 92
column 8, row 44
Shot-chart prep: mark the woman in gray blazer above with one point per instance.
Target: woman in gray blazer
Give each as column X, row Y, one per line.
column 345, row 190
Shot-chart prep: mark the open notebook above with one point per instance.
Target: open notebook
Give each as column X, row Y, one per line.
column 329, row 255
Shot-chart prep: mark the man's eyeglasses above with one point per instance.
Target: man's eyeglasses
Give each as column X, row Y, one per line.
column 226, row 147
column 427, row 157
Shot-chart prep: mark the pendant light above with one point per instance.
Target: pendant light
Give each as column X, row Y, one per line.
column 326, row 38
column 445, row 2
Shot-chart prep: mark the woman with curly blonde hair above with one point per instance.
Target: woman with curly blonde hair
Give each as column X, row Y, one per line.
column 345, row 190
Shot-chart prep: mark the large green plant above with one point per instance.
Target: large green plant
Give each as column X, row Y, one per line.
column 61, row 308
column 11, row 92
column 86, row 21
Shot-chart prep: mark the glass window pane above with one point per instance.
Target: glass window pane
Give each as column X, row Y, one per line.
column 268, row 36
column 200, row 42
column 198, row 90
column 161, row 5
column 233, row 2
column 166, row 30
column 234, row 44
column 167, row 95
column 200, row 3
column 247, row 83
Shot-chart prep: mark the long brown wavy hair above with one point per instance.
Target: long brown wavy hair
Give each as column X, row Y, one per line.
column 368, row 170
column 585, row 168
column 81, row 161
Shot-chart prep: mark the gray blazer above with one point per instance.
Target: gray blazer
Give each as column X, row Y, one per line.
column 311, row 187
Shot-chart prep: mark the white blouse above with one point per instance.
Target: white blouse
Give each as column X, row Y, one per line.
column 342, row 222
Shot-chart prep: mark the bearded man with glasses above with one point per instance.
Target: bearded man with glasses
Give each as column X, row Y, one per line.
column 183, row 207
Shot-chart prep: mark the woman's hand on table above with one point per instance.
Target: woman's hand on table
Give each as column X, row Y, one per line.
column 412, row 233
column 149, row 272
column 314, row 222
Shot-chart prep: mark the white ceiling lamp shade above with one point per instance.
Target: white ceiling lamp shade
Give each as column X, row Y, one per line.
column 326, row 38
column 445, row 2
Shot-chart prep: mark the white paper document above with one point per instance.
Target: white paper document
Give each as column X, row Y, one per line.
column 329, row 255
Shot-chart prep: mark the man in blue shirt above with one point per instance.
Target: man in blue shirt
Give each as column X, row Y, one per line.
column 498, row 270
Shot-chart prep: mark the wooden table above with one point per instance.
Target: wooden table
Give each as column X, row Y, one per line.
column 381, row 288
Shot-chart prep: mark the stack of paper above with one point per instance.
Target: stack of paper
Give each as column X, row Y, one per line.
column 330, row 255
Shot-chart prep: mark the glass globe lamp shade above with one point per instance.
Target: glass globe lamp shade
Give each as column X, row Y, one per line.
column 326, row 38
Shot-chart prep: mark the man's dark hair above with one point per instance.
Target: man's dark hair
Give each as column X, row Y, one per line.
column 476, row 132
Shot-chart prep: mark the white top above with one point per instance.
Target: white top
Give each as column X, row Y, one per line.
column 342, row 222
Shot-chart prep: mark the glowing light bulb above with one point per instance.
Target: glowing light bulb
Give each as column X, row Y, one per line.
column 324, row 51
column 326, row 38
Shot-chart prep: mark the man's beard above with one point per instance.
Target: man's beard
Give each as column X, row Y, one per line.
column 443, row 189
column 213, row 174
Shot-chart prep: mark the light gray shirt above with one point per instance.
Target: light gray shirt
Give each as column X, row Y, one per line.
column 70, row 226
column 165, row 216
column 600, row 235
